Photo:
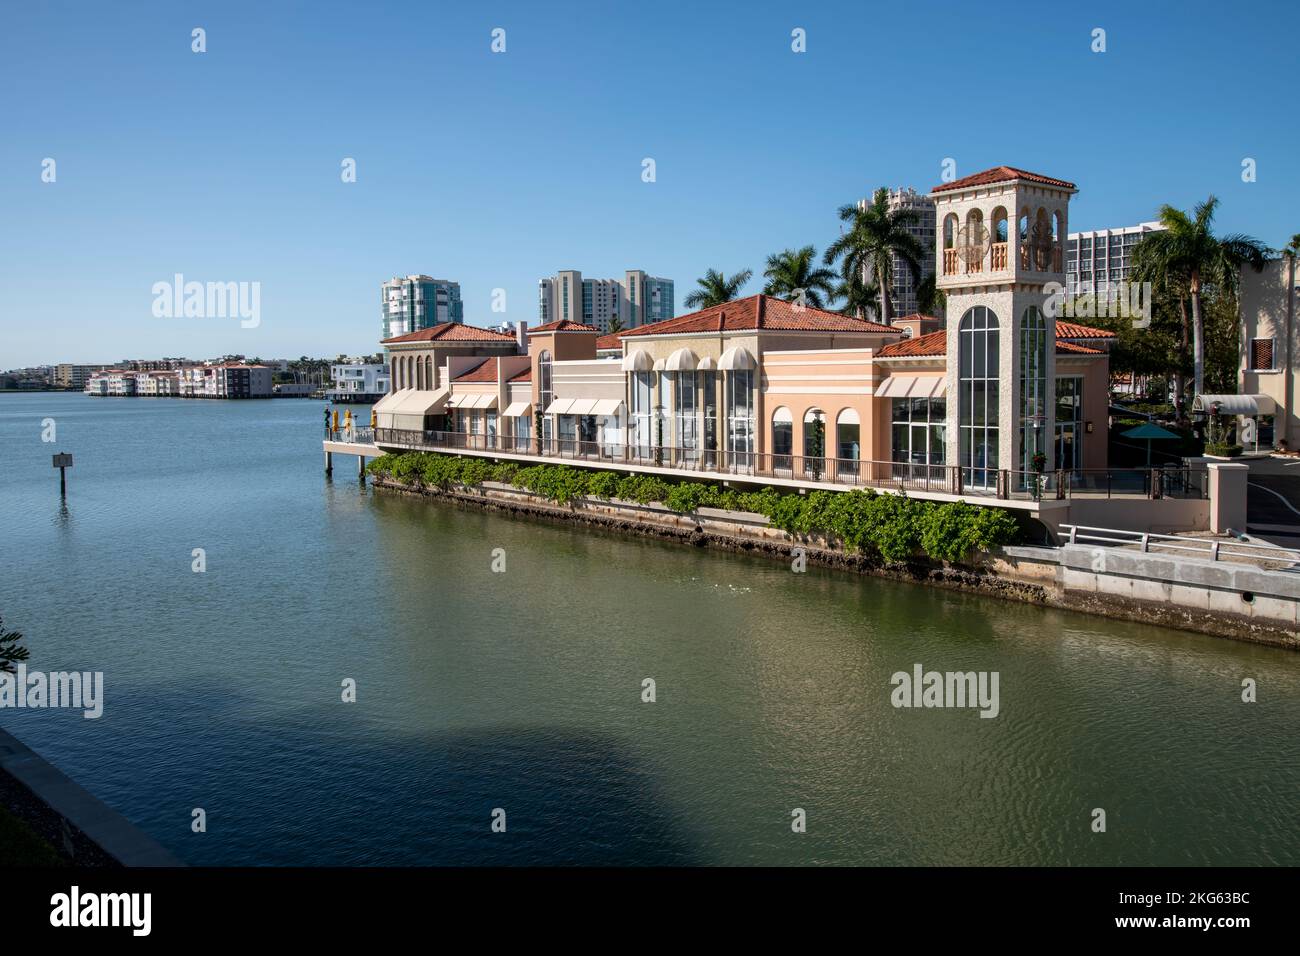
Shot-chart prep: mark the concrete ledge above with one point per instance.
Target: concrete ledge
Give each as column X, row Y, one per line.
column 113, row 833
column 1213, row 575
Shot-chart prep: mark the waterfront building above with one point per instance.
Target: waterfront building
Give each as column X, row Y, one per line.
column 225, row 380
column 1099, row 260
column 1269, row 375
column 412, row 303
column 636, row 299
column 68, row 375
column 358, row 382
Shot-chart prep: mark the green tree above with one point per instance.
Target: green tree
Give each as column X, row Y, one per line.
column 861, row 299
column 615, row 325
column 11, row 649
column 876, row 234
column 715, row 289
column 930, row 299
column 794, row 271
column 1186, row 250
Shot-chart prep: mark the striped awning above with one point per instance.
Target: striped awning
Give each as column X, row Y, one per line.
column 909, row 386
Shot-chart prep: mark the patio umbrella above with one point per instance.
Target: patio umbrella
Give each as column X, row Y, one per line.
column 373, row 418
column 1150, row 432
column 347, row 418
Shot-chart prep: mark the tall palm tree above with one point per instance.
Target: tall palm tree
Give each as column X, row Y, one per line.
column 930, row 299
column 1188, row 247
column 793, row 272
column 876, row 234
column 715, row 289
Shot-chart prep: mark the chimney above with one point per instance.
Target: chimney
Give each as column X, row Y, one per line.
column 521, row 336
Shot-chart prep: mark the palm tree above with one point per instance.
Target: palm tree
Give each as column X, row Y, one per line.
column 876, row 234
column 861, row 299
column 792, row 275
column 615, row 325
column 715, row 289
column 930, row 299
column 1187, row 251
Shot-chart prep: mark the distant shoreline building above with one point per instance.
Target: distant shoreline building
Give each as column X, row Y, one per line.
column 1099, row 260
column 635, row 300
column 358, row 382
column 226, row 380
column 418, row 302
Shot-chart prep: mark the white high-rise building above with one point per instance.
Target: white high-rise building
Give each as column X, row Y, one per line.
column 1098, row 261
column 636, row 299
column 418, row 302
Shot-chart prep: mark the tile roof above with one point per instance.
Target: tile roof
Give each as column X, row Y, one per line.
column 485, row 371
column 1000, row 174
column 450, row 332
column 563, row 325
column 525, row 376
column 936, row 343
column 759, row 313
column 1073, row 330
column 611, row 341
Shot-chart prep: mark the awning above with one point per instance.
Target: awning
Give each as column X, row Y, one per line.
column 414, row 401
column 708, row 364
column 683, row 360
column 559, row 407
column 638, row 360
column 472, row 401
column 517, row 410
column 581, row 406
column 389, row 401
column 737, row 358
column 1235, row 404
column 909, row 386
column 608, row 406
column 782, row 416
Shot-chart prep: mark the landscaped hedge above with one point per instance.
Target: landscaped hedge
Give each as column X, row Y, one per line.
column 895, row 526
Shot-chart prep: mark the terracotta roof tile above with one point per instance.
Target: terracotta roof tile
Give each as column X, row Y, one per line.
column 611, row 341
column 1076, row 349
column 525, row 376
column 450, row 332
column 1073, row 330
column 563, row 325
column 485, row 371
column 759, row 313
column 935, row 343
column 1000, row 174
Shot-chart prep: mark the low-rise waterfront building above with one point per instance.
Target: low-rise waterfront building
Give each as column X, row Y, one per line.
column 358, row 382
column 1270, row 353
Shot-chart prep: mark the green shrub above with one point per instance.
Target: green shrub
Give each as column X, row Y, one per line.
column 687, row 497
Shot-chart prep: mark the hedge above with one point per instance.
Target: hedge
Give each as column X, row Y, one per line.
column 894, row 526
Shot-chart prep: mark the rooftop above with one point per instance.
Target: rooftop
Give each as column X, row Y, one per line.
column 450, row 332
column 485, row 371
column 562, row 325
column 936, row 344
column 1001, row 174
column 760, row 313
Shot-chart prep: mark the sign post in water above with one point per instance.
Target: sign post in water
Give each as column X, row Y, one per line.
column 63, row 462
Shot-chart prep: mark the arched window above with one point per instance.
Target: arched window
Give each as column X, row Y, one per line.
column 428, row 372
column 1042, row 241
column 950, row 230
column 422, row 372
column 544, row 394
column 1000, row 224
column 740, row 416
column 848, row 441
column 814, row 442
column 1032, row 360
column 977, row 388
column 782, row 439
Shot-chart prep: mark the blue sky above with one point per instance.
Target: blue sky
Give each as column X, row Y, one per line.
column 497, row 169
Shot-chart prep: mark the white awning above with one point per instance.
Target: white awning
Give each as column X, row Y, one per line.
column 559, row 407
column 909, row 386
column 389, row 401
column 683, row 360
column 608, row 406
column 1236, row 404
column 414, row 401
column 736, row 358
column 517, row 410
column 464, row 401
column 782, row 416
column 848, row 416
column 581, row 406
column 660, row 364
column 707, row 365
column 638, row 360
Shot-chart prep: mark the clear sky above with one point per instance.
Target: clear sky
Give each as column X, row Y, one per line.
column 495, row 169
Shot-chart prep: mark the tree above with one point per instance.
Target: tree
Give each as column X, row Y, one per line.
column 615, row 325
column 1188, row 251
column 876, row 234
column 793, row 272
column 715, row 289
column 930, row 299
column 10, row 650
column 861, row 299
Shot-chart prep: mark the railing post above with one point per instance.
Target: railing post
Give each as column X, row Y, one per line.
column 1060, row 484
column 1153, row 477
column 1146, row 543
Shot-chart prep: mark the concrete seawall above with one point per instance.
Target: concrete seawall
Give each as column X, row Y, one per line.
column 1223, row 600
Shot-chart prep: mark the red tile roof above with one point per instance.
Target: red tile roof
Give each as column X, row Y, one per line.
column 450, row 332
column 1000, row 174
column 1073, row 330
column 759, row 313
column 913, row 317
column 610, row 341
column 563, row 325
column 935, row 343
column 525, row 376
column 485, row 371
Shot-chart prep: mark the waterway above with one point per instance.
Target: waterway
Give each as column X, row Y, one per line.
column 522, row 691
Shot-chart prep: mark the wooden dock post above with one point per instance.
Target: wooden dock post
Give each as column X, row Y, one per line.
column 329, row 463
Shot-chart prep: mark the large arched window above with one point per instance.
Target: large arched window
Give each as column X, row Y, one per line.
column 545, row 394
column 1032, row 360
column 848, row 441
column 814, row 442
column 977, row 388
column 782, row 439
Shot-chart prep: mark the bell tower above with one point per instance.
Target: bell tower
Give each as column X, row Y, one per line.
column 1000, row 238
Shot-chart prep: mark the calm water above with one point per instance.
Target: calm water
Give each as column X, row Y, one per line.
column 522, row 690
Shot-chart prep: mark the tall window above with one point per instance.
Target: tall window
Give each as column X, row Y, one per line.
column 740, row 415
column 919, row 436
column 1069, row 423
column 782, row 439
column 545, row 393
column 1033, row 388
column 848, row 438
column 686, row 410
column 709, row 392
column 642, row 411
column 523, row 431
column 977, row 403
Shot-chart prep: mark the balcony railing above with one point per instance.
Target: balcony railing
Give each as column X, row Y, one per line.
column 999, row 256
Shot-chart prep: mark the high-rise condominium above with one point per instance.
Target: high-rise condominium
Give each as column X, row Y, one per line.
column 902, row 290
column 1097, row 261
column 636, row 299
column 418, row 302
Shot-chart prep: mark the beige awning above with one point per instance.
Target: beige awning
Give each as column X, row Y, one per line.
column 581, row 406
column 1249, row 405
column 608, row 406
column 638, row 360
column 737, row 358
column 910, row 386
column 414, row 401
column 463, row 401
column 559, row 407
column 683, row 360
column 707, row 364
column 517, row 410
